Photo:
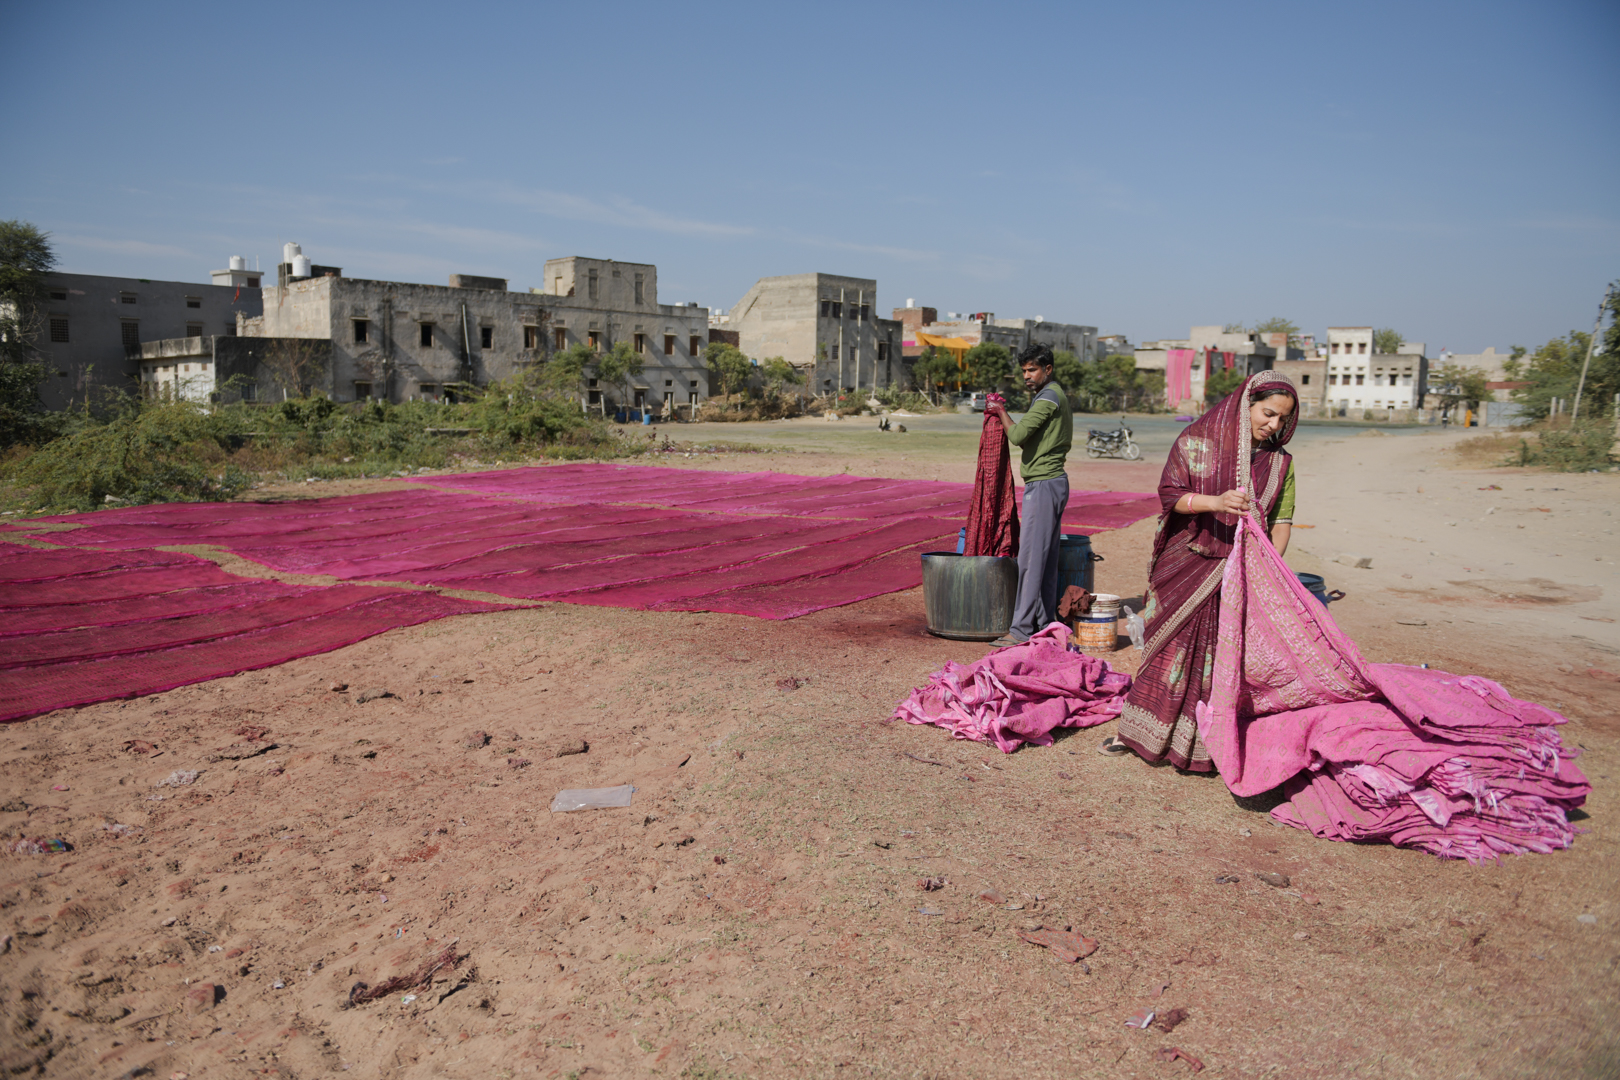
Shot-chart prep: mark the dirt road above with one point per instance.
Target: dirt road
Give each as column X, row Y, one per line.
column 756, row 911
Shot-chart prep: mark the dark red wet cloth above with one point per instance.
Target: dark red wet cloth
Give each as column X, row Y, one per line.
column 992, row 524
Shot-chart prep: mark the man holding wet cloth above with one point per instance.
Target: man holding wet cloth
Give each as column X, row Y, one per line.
column 1044, row 435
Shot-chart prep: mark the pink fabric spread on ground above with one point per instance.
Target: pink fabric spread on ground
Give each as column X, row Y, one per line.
column 1019, row 694
column 772, row 545
column 140, row 622
column 1452, row 765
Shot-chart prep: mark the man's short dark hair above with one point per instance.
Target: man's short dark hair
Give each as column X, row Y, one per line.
column 1038, row 354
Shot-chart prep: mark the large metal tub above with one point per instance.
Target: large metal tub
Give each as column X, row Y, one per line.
column 969, row 597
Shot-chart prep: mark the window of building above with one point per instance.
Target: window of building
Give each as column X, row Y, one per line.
column 429, row 391
column 696, row 344
column 132, row 333
column 694, row 384
column 193, row 301
column 826, row 308
column 669, row 382
column 253, row 282
column 194, row 329
column 230, row 329
column 1335, row 348
column 641, row 397
column 1360, row 380
column 838, row 309
column 58, row 294
column 59, row 330
column 486, row 337
column 595, row 339
column 639, row 290
column 1361, row 346
column 362, row 331
column 1304, row 380
column 250, row 392
column 617, row 272
column 866, row 310
column 531, row 337
column 883, row 351
column 835, row 352
column 593, row 287
column 362, row 390
column 425, row 335
column 669, row 344
column 560, row 338
column 126, row 298
column 556, row 288
column 641, row 344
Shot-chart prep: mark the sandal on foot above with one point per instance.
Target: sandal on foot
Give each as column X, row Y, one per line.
column 1006, row 641
column 1112, row 747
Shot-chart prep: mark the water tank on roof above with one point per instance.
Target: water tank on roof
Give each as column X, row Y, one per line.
column 290, row 252
column 301, row 266
column 238, row 263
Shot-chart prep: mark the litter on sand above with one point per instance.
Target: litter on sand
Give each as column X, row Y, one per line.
column 1141, row 1019
column 1066, row 945
column 1166, row 1022
column 1174, row 1053
column 592, row 798
column 179, row 778
column 41, row 845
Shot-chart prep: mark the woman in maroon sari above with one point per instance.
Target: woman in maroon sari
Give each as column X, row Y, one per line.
column 1203, row 498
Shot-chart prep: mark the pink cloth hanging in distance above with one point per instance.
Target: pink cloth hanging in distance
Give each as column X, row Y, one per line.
column 1019, row 694
column 1178, row 374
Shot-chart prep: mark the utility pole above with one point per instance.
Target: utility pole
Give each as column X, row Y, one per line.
column 1597, row 327
column 839, row 390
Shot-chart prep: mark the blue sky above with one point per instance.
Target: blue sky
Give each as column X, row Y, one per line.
column 1447, row 169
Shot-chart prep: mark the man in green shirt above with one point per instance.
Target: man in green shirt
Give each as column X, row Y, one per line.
column 1044, row 435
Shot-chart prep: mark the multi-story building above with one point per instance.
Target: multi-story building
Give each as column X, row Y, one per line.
column 93, row 326
column 1360, row 379
column 983, row 327
column 822, row 324
column 399, row 341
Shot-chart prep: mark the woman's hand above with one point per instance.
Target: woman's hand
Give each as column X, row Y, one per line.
column 1233, row 502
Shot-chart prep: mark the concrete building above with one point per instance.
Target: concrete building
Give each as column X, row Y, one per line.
column 1114, row 345
column 983, row 327
column 94, row 326
column 1359, row 379
column 822, row 324
column 401, row 341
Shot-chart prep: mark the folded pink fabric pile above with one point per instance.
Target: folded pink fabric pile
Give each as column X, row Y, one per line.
column 1449, row 764
column 1020, row 694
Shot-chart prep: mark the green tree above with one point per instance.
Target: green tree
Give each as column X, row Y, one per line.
column 986, row 366
column 1233, row 328
column 729, row 366
column 563, row 375
column 1067, row 372
column 1220, row 382
column 1455, row 384
column 25, row 258
column 1387, row 341
column 778, row 373
column 933, row 371
column 1554, row 370
column 1278, row 325
column 619, row 367
column 1109, row 385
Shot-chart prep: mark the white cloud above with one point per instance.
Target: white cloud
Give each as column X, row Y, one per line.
column 122, row 247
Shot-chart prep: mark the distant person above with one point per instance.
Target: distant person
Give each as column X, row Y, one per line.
column 1045, row 435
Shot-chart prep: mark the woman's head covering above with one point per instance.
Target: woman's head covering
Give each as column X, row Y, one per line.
column 1216, row 454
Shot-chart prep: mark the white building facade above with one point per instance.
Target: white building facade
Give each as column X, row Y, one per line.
column 1359, row 379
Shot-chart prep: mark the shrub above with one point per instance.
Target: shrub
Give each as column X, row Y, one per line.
column 1578, row 449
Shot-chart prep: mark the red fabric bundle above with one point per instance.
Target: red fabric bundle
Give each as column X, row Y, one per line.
column 992, row 524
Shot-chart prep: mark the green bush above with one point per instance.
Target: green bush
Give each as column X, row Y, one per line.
column 165, row 452
column 1578, row 449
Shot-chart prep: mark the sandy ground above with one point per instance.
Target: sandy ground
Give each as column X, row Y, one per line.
column 756, row 911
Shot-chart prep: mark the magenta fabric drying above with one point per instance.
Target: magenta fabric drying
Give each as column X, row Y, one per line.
column 1020, row 694
column 769, row 544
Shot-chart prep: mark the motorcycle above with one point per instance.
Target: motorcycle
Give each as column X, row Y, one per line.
column 1113, row 443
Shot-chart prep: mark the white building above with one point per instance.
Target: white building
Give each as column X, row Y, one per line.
column 1359, row 378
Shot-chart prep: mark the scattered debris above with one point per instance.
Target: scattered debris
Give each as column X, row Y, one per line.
column 420, row 979
column 592, row 798
column 41, row 845
column 1122, row 835
column 518, row 763
column 1066, row 945
column 170, row 921
column 685, row 840
column 930, row 911
column 572, row 747
column 371, row 694
column 1412, row 622
column 1300, row 935
column 180, row 778
column 1309, row 897
column 1140, row 1019
column 1227, row 879
column 1599, row 673
column 789, row 685
column 121, row 831
column 1360, row 562
column 140, row 746
column 1158, row 989
column 924, row 760
column 991, row 896
column 338, row 687
column 884, row 844
column 241, row 751
column 477, row 740
column 1173, row 1053
column 1166, row 1022
column 931, row 884
column 252, row 732
column 1064, row 776
column 202, row 997
column 1276, row 881
column 719, row 860
column 1589, row 919
column 60, row 787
